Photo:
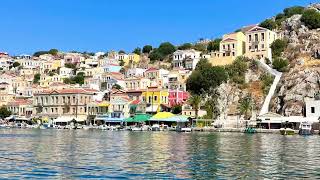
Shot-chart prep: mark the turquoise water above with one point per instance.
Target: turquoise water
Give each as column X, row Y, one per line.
column 68, row 154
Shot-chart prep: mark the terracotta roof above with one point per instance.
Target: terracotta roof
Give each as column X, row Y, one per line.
column 18, row 102
column 68, row 91
column 152, row 69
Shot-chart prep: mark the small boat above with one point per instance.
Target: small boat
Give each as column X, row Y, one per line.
column 136, row 128
column 305, row 128
column 155, row 127
column 286, row 131
column 250, row 130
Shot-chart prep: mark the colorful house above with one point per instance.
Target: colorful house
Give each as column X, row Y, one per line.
column 154, row 97
column 231, row 46
column 177, row 97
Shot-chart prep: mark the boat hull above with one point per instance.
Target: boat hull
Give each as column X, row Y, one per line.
column 286, row 131
column 305, row 132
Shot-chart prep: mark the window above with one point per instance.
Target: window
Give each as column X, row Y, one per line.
column 262, row 46
column 313, row 110
column 224, row 47
column 256, row 37
column 224, row 54
column 233, row 46
column 233, row 54
column 262, row 36
column 155, row 98
column 250, row 38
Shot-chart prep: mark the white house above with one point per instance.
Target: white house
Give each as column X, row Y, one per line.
column 313, row 108
column 65, row 72
column 187, row 59
column 135, row 72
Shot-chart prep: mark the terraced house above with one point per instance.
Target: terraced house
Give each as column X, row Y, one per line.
column 63, row 102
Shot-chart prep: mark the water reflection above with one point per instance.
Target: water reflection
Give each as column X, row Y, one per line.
column 52, row 154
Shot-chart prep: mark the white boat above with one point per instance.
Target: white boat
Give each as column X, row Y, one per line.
column 136, row 128
column 155, row 127
column 186, row 129
column 305, row 128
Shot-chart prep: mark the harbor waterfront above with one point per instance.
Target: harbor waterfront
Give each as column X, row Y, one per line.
column 75, row 154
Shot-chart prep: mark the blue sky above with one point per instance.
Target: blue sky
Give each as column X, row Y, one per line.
column 101, row 25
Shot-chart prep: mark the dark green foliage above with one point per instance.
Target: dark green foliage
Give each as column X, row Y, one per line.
column 137, row 51
column 116, row 86
column 121, row 62
column 122, row 52
column 288, row 12
column 237, row 70
column 311, row 18
column 39, row 53
column 245, row 107
column 266, row 80
column 214, row 45
column 78, row 79
column 185, row 46
column 280, row 64
column 176, row 109
column 70, row 65
column 4, row 112
column 269, row 24
column 166, row 48
column 147, row 49
column 53, row 52
column 205, row 78
column 155, row 55
column 16, row 64
column 278, row 46
column 36, row 78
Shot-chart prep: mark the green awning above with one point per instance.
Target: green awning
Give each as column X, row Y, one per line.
column 139, row 118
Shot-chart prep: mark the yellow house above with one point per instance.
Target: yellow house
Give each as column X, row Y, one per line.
column 231, row 46
column 154, row 97
column 258, row 42
column 134, row 58
column 57, row 64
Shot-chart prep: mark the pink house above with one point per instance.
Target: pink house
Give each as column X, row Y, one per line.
column 177, row 97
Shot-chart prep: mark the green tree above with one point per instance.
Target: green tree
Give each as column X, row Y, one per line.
column 245, row 106
column 288, row 12
column 116, row 86
column 311, row 18
column 53, row 52
column 36, row 78
column 155, row 55
column 16, row 64
column 237, row 70
column 266, row 80
column 280, row 64
column 70, row 65
column 269, row 24
column 195, row 102
column 104, row 86
column 147, row 49
column 200, row 47
column 137, row 51
column 122, row 52
column 4, row 112
column 185, row 46
column 214, row 45
column 212, row 105
column 166, row 48
column 205, row 78
column 176, row 109
column 39, row 53
column 121, row 62
column 278, row 46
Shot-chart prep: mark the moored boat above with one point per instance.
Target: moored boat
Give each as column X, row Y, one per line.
column 305, row 128
column 286, row 131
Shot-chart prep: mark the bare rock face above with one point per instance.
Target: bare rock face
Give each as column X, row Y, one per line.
column 296, row 86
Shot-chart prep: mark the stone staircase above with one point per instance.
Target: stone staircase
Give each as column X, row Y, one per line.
column 277, row 76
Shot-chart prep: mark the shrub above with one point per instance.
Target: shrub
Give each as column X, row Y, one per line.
column 280, row 64
column 278, row 46
column 288, row 12
column 269, row 24
column 267, row 80
column 237, row 70
column 214, row 45
column 311, row 18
